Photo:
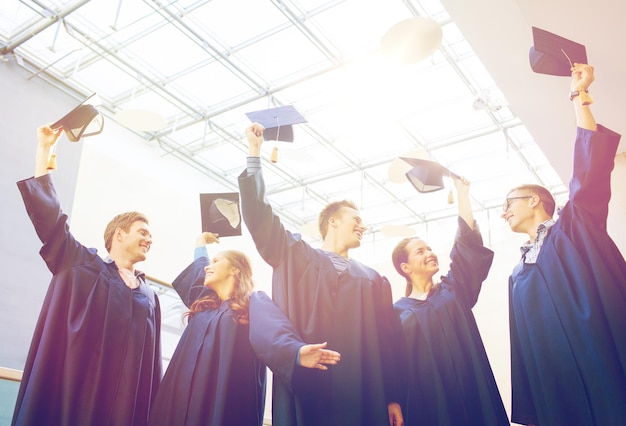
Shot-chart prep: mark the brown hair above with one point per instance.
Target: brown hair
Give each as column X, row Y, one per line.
column 240, row 296
column 544, row 195
column 399, row 256
column 123, row 221
column 331, row 210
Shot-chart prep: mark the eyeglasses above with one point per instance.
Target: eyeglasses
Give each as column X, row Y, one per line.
column 507, row 201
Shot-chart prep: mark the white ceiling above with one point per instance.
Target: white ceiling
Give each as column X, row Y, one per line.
column 201, row 64
column 500, row 33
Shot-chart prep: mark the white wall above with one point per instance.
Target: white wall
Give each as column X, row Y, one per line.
column 25, row 104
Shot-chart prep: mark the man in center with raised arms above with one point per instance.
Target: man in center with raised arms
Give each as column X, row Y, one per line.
column 327, row 297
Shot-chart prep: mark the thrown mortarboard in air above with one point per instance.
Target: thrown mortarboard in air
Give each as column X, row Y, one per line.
column 278, row 122
column 84, row 120
column 554, row 55
column 220, row 213
column 425, row 175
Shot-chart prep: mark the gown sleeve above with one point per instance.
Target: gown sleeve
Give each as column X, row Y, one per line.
column 273, row 337
column 270, row 237
column 590, row 186
column 470, row 265
column 60, row 249
column 189, row 284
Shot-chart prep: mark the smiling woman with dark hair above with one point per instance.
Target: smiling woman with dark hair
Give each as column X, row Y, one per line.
column 450, row 381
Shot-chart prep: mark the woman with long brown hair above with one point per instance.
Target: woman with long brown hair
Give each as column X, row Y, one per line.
column 214, row 377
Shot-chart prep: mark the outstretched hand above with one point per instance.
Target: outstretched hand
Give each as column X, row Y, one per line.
column 395, row 414
column 316, row 356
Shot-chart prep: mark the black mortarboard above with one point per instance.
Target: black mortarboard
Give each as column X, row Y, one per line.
column 277, row 122
column 220, row 213
column 554, row 55
column 84, row 120
column 425, row 175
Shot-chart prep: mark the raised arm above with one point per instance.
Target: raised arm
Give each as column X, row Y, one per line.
column 60, row 250
column 471, row 261
column 582, row 77
column 189, row 284
column 270, row 237
column 465, row 208
column 594, row 156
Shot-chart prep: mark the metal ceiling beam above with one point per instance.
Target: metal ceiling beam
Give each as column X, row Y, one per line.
column 10, row 47
column 205, row 45
column 300, row 24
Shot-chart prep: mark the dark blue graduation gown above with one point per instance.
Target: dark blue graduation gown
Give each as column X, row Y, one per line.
column 214, row 378
column 352, row 311
column 95, row 356
column 568, row 311
column 450, row 379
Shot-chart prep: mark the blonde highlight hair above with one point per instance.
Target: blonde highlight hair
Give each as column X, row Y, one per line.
column 331, row 210
column 123, row 221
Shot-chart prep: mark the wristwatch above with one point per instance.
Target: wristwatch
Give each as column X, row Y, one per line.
column 575, row 93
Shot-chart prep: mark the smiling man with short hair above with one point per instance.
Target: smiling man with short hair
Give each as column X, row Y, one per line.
column 95, row 357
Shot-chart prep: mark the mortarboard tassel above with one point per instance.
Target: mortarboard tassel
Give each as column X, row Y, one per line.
column 274, row 156
column 52, row 159
column 585, row 98
column 450, row 197
column 52, row 162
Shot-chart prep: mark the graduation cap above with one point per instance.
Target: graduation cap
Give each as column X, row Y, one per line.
column 277, row 122
column 554, row 55
column 220, row 213
column 84, row 120
column 426, row 175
